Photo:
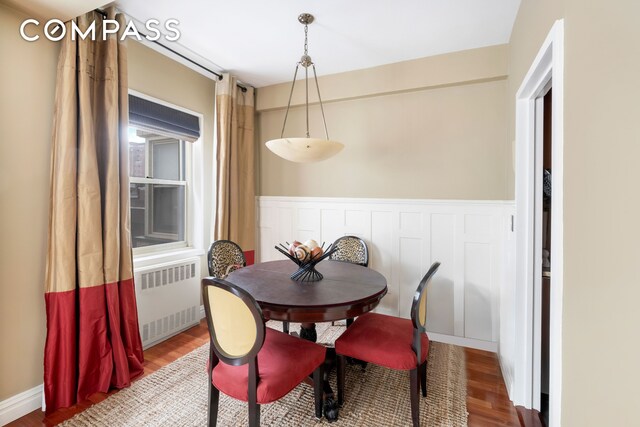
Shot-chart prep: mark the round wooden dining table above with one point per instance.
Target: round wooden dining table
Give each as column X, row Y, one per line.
column 346, row 291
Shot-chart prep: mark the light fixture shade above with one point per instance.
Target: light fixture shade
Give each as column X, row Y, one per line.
column 304, row 150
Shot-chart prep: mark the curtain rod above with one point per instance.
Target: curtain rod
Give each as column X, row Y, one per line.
column 242, row 88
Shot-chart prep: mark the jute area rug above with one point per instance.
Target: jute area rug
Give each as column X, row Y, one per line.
column 176, row 395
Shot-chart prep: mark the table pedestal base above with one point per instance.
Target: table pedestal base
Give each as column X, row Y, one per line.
column 308, row 332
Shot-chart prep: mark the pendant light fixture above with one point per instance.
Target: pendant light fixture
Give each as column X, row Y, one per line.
column 305, row 149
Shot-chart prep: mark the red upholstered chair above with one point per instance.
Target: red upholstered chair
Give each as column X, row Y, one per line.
column 249, row 361
column 391, row 342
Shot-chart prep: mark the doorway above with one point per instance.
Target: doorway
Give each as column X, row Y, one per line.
column 542, row 249
column 538, row 225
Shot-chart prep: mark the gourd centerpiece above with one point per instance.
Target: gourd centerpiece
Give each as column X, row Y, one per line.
column 306, row 255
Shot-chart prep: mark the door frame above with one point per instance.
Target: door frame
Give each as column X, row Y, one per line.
column 547, row 67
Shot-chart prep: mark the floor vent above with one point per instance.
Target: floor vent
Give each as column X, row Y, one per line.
column 168, row 297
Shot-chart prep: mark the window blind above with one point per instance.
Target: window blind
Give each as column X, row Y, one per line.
column 152, row 116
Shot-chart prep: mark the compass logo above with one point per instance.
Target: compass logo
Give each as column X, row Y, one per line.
column 55, row 30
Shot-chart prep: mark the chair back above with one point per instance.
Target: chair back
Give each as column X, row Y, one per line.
column 223, row 257
column 351, row 249
column 236, row 324
column 419, row 304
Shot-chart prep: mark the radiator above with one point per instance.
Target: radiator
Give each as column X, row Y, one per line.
column 168, row 297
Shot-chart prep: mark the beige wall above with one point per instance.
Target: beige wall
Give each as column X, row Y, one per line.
column 534, row 20
column 428, row 128
column 26, row 112
column 27, row 84
column 601, row 328
column 154, row 74
column 602, row 145
column 601, row 204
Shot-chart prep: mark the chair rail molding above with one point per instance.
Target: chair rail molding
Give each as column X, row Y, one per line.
column 404, row 237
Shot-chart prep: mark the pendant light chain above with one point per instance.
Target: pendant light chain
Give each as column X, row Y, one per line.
column 305, row 61
column 306, row 73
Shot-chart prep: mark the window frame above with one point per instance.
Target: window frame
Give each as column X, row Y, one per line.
column 186, row 166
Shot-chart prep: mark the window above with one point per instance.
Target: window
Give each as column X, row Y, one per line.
column 159, row 143
column 158, row 188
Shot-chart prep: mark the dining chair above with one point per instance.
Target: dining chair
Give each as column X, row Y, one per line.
column 391, row 342
column 249, row 361
column 223, row 257
column 350, row 249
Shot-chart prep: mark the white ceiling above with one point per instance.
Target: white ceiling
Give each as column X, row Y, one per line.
column 261, row 40
column 48, row 9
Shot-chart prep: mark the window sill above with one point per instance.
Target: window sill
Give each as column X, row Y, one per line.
column 144, row 260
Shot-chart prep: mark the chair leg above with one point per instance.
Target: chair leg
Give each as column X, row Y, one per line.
column 415, row 401
column 423, row 378
column 349, row 322
column 254, row 414
column 318, row 391
column 254, row 408
column 212, row 413
column 285, row 327
column 341, row 373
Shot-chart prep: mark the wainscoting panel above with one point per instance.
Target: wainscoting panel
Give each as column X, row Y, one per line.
column 404, row 237
column 441, row 297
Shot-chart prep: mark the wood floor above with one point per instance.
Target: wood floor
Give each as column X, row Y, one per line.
column 487, row 401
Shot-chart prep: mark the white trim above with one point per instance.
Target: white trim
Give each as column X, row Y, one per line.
column 464, row 342
column 385, row 201
column 507, row 376
column 21, row 404
column 138, row 180
column 547, row 66
column 142, row 261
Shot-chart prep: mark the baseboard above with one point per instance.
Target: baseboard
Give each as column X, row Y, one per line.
column 21, row 404
column 464, row 342
column 507, row 376
column 28, row 401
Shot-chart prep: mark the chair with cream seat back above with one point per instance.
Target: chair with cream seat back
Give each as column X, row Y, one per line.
column 223, row 257
column 391, row 342
column 249, row 361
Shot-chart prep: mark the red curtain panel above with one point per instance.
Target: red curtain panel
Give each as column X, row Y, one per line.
column 93, row 341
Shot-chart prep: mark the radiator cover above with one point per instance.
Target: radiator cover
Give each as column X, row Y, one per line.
column 168, row 297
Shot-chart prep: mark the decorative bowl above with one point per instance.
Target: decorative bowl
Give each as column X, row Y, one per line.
column 306, row 268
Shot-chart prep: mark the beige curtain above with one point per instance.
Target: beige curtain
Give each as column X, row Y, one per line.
column 93, row 341
column 235, row 192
